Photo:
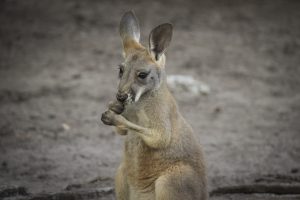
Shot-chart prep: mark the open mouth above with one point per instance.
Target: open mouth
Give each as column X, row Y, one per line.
column 134, row 96
column 130, row 99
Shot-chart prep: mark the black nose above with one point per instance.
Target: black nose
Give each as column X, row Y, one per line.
column 122, row 97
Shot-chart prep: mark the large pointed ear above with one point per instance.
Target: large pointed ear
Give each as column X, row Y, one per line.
column 129, row 30
column 159, row 39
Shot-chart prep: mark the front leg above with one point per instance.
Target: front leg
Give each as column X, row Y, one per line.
column 155, row 138
column 117, row 107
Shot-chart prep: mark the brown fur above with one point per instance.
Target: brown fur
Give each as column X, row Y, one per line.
column 129, row 46
column 162, row 160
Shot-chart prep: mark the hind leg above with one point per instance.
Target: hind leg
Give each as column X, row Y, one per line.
column 121, row 186
column 181, row 182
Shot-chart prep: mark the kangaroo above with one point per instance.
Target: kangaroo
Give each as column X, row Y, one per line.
column 162, row 160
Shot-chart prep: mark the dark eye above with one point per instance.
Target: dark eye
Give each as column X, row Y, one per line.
column 142, row 75
column 121, row 71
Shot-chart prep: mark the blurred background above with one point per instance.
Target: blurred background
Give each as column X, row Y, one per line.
column 58, row 70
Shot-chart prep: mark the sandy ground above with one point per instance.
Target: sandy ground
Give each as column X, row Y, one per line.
column 58, row 70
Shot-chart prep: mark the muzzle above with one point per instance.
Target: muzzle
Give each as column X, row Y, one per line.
column 122, row 97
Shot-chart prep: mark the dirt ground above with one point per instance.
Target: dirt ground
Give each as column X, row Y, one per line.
column 58, row 70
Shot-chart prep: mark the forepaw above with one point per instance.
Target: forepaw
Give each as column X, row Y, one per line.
column 108, row 118
column 116, row 106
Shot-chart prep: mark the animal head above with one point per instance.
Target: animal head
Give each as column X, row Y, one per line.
column 143, row 68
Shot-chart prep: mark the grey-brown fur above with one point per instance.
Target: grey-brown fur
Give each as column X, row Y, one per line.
column 162, row 159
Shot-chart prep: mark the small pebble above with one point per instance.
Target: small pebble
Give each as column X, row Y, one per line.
column 217, row 109
column 76, row 76
column 51, row 116
column 65, row 126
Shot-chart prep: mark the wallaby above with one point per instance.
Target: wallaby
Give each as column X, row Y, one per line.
column 162, row 159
